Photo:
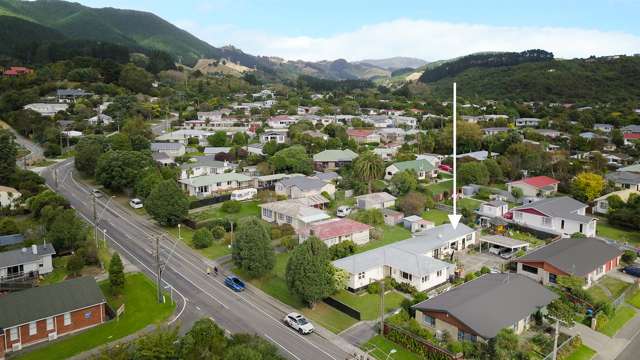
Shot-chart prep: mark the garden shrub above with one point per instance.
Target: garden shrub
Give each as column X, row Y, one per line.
column 218, row 232
column 601, row 320
column 202, row 238
column 231, row 206
column 288, row 242
column 341, row 250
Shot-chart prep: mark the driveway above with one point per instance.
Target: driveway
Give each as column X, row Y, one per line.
column 475, row 261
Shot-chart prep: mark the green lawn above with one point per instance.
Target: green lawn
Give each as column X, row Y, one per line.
column 141, row 309
column 467, row 203
column 249, row 208
column 275, row 286
column 380, row 347
column 214, row 251
column 390, row 234
column 582, row 352
column 369, row 304
column 634, row 299
column 622, row 316
column 617, row 287
column 525, row 236
column 438, row 217
column 617, row 234
column 441, row 187
column 598, row 294
column 59, row 271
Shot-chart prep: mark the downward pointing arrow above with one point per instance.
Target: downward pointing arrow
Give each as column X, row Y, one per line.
column 454, row 218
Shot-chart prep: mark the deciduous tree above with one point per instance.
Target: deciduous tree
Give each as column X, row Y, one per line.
column 252, row 250
column 167, row 204
column 587, row 186
column 309, row 271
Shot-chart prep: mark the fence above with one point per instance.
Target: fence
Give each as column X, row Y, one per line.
column 562, row 348
column 340, row 306
column 623, row 297
column 209, row 201
column 418, row 345
column 443, row 207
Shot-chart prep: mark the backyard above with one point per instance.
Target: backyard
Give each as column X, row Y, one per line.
column 441, row 187
column 141, row 309
column 614, row 233
column 390, row 234
column 436, row 216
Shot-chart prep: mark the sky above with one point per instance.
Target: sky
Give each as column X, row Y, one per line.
column 430, row 30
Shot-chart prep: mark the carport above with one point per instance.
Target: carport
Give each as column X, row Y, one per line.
column 503, row 242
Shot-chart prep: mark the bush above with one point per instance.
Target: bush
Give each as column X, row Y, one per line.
column 341, row 250
column 405, row 288
column 231, row 207
column 601, row 320
column 373, row 217
column 276, row 233
column 202, row 238
column 288, row 242
column 218, row 232
column 469, row 277
column 629, row 256
column 485, row 270
column 373, row 288
column 75, row 264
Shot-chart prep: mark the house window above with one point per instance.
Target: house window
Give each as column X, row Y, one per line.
column 289, row 219
column 67, row 319
column 33, row 328
column 553, row 278
column 267, row 213
column 13, row 334
column 530, row 269
column 462, row 336
column 439, row 273
column 562, row 224
column 546, row 221
column 599, row 270
column 50, row 323
column 406, row 275
column 425, row 278
column 280, row 216
column 429, row 320
column 361, row 276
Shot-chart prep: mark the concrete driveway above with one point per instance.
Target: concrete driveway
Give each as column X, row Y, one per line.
column 475, row 261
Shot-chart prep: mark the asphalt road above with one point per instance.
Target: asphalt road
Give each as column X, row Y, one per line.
column 197, row 294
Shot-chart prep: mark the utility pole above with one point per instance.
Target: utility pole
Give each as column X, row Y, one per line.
column 158, row 271
column 555, row 341
column 55, row 176
column 95, row 226
column 382, row 307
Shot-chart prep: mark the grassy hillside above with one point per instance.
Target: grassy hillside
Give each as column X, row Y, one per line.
column 581, row 80
column 135, row 29
column 17, row 33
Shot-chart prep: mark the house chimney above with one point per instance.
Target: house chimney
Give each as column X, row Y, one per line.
column 34, row 249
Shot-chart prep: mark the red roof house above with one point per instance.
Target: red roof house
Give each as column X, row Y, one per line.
column 630, row 138
column 17, row 71
column 535, row 186
column 334, row 231
column 363, row 136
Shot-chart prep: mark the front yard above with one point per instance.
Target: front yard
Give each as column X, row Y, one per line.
column 612, row 285
column 380, row 347
column 141, row 309
column 218, row 249
column 583, row 352
column 623, row 314
column 275, row 285
column 249, row 208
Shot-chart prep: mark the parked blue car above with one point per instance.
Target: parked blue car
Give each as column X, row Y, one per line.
column 632, row 270
column 234, row 283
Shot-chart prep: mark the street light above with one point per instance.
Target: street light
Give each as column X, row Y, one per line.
column 392, row 351
column 179, row 227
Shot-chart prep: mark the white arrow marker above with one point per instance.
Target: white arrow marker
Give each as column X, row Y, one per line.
column 454, row 218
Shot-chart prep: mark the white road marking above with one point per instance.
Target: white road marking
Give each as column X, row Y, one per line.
column 277, row 343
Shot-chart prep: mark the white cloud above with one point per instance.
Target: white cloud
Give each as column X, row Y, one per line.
column 430, row 40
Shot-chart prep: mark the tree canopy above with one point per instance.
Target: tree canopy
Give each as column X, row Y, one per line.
column 309, row 271
column 251, row 249
column 167, row 204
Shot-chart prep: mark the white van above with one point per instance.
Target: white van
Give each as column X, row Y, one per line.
column 244, row 194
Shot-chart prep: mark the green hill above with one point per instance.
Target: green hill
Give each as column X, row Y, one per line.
column 17, row 33
column 134, row 29
column 590, row 80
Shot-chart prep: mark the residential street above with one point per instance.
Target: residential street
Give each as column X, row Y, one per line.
column 198, row 295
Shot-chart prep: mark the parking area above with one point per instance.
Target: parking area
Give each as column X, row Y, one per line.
column 475, row 261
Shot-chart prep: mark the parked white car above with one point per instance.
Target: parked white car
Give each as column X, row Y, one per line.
column 96, row 193
column 299, row 323
column 244, row 194
column 495, row 250
column 343, row 211
column 136, row 203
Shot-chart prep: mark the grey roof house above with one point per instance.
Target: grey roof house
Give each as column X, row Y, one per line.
column 624, row 179
column 28, row 261
column 333, row 159
column 303, row 186
column 479, row 309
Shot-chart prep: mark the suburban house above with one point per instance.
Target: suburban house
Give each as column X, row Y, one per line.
column 495, row 130
column 214, row 150
column 588, row 258
column 204, row 165
column 26, row 262
column 605, row 128
column 416, row 223
column 528, row 122
column 335, row 231
column 46, row 109
column 624, row 179
column 333, row 159
column 363, row 136
column 162, row 159
column 481, row 155
column 45, row 313
column 379, row 200
column 208, row 185
column 70, row 95
column 479, row 309
column 601, row 204
column 631, row 129
column 17, row 71
column 100, row 119
column 560, row 216
column 494, row 208
column 387, row 151
column 303, row 186
column 9, row 197
column 279, row 137
column 414, row 261
column 170, row 149
column 299, row 213
column 423, row 168
column 12, row 239
column 392, row 217
column 183, row 136
column 281, row 121
column 631, row 138
column 535, row 186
